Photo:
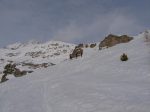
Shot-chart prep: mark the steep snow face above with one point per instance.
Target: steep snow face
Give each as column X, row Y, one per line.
column 97, row 82
column 35, row 52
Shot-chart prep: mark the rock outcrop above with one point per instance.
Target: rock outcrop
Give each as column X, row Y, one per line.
column 4, row 78
column 93, row 45
column 112, row 40
column 78, row 51
column 35, row 66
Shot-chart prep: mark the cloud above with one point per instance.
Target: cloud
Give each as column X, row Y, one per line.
column 66, row 20
column 113, row 22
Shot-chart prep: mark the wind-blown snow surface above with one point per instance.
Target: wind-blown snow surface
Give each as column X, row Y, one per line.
column 98, row 82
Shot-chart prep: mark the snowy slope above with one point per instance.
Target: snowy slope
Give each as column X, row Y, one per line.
column 38, row 52
column 35, row 52
column 98, row 82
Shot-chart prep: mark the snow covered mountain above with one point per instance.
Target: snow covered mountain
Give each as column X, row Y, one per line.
column 34, row 53
column 97, row 82
column 39, row 52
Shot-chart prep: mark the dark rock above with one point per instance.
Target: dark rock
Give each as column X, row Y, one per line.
column 81, row 45
column 57, row 54
column 35, row 54
column 29, row 71
column 112, row 40
column 76, row 53
column 93, row 45
column 4, row 79
column 35, row 66
column 56, row 44
column 11, row 69
column 12, row 54
column 64, row 51
column 86, row 46
column 2, row 59
column 19, row 73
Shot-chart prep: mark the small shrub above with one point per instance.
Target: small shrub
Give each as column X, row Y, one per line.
column 123, row 57
column 9, row 69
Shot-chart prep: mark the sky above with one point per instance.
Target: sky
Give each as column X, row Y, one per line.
column 74, row 21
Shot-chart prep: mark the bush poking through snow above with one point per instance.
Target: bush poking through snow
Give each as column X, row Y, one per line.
column 9, row 69
column 123, row 57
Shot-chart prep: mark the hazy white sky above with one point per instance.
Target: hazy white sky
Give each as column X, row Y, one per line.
column 74, row 21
